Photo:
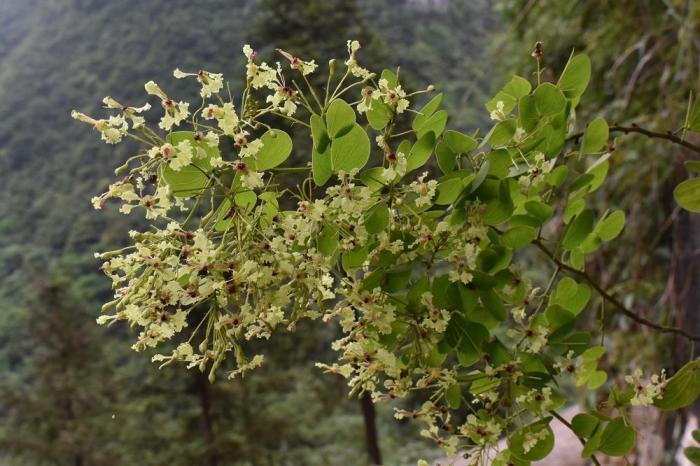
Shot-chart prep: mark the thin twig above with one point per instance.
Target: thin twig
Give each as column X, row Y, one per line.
column 561, row 419
column 669, row 136
column 611, row 299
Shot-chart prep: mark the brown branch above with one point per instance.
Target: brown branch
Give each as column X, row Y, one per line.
column 619, row 307
column 669, row 136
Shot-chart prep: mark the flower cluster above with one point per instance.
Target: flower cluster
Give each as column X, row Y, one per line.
column 416, row 268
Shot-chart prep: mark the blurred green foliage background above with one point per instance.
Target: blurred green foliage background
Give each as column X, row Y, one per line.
column 72, row 393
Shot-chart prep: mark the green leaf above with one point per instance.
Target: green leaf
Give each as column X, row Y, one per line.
column 493, row 304
column 321, row 166
column 516, row 88
column 352, row 260
column 328, row 240
column 436, row 123
column 574, row 79
column 540, row 450
column 611, row 225
column 502, row 133
column 453, row 395
column 584, row 424
column 192, row 179
column 459, row 143
column 682, row 389
column 549, row 100
column 571, row 295
column 693, row 454
column 426, row 112
column 351, row 150
column 319, row 135
column 378, row 219
column 539, row 209
column 518, row 237
column 473, row 335
column 693, row 121
column 340, row 118
column 372, row 178
column 618, row 438
column 420, row 152
column 692, row 165
column 446, row 158
column 378, row 115
column 578, row 230
column 448, row 191
column 595, row 137
column 277, row 145
column 687, row 194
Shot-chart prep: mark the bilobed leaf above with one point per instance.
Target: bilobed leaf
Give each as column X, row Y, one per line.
column 579, row 229
column 446, row 158
column 378, row 115
column 571, row 295
column 340, row 118
column 319, row 134
column 595, row 137
column 518, row 236
column 539, row 209
column 378, row 219
column 549, row 100
column 516, row 88
column 420, row 152
column 277, row 145
column 618, row 438
column 190, row 180
column 448, row 191
column 540, row 450
column 351, row 150
column 459, row 143
column 426, row 112
column 453, row 395
column 574, row 79
column 321, row 166
column 611, row 225
column 584, row 424
column 436, row 123
column 502, row 133
column 682, row 389
column 474, row 335
column 687, row 194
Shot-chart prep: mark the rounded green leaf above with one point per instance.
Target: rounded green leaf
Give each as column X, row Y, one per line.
column 426, row 112
column 549, row 100
column 321, row 166
column 350, row 151
column 340, row 118
column 446, row 159
column 378, row 219
column 420, row 152
column 319, row 133
column 378, row 115
column 595, row 137
column 578, row 230
column 436, row 123
column 584, row 424
column 618, row 438
column 502, row 133
column 539, row 209
column 611, row 226
column 682, row 389
column 574, row 79
column 277, row 145
column 448, row 191
column 190, row 180
column 519, row 441
column 687, row 194
column 458, row 142
column 518, row 236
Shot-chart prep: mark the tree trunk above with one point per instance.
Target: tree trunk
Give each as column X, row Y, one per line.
column 371, row 436
column 207, row 424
